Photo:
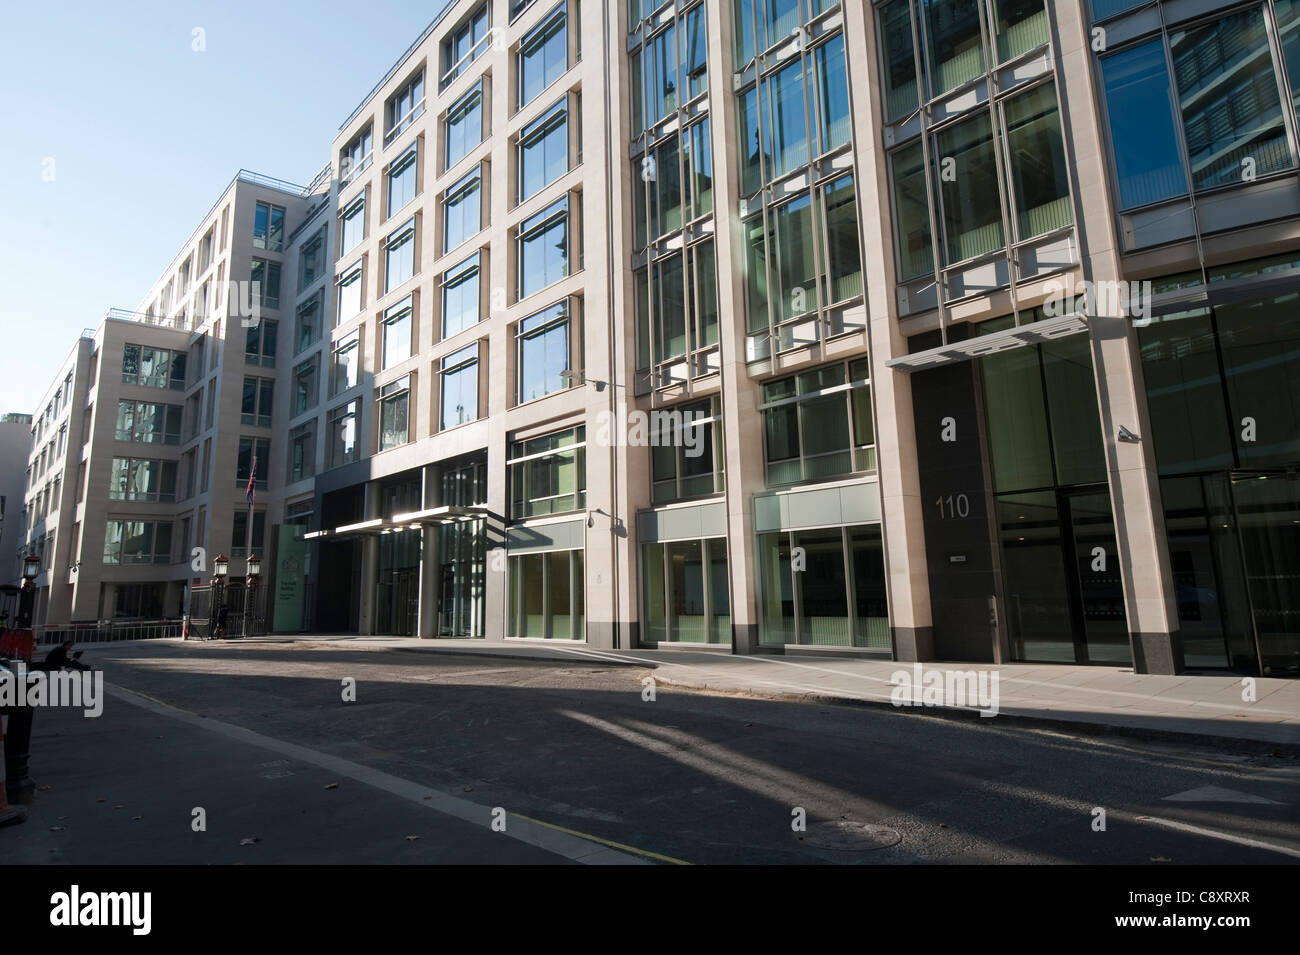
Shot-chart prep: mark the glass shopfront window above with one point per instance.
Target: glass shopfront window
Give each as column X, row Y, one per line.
column 824, row 587
column 546, row 596
column 685, row 592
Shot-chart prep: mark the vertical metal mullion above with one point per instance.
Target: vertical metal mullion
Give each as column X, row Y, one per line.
column 704, row 584
column 938, row 240
column 796, row 589
column 850, row 583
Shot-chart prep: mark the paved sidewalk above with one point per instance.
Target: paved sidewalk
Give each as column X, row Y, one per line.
column 1097, row 699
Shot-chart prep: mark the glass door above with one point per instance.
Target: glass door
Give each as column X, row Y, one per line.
column 1101, row 624
column 1268, row 521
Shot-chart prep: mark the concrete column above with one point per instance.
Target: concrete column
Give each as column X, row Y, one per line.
column 911, row 625
column 742, row 423
column 1133, row 477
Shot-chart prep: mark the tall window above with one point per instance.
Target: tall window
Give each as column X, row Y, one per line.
column 799, row 111
column 687, row 456
column 268, row 229
column 341, row 437
column 401, row 179
column 1143, row 130
column 258, row 402
column 311, row 259
column 543, row 57
column 460, row 296
column 302, row 452
column 350, row 286
column 677, row 305
column 404, row 107
column 462, row 209
column 803, row 254
column 818, row 424
column 464, row 45
column 1228, row 94
column 352, row 225
column 307, row 322
column 242, row 542
column 356, row 155
column 543, row 254
column 464, row 127
column 345, row 363
column 399, row 256
column 250, row 448
column 674, row 184
column 306, row 385
column 394, row 413
column 543, row 342
column 458, row 398
column 548, row 475
column 544, row 150
column 264, row 277
column 397, row 334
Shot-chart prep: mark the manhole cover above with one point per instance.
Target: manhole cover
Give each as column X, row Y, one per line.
column 844, row 835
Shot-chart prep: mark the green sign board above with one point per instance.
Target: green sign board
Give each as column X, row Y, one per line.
column 290, row 579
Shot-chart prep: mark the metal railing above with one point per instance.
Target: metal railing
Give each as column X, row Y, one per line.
column 106, row 631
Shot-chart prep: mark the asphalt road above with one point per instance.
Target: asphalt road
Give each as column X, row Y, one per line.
column 463, row 759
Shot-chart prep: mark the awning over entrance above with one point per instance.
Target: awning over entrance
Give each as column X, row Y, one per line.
column 1031, row 334
column 403, row 522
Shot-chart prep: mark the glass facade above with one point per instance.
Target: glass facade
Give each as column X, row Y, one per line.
column 1224, row 400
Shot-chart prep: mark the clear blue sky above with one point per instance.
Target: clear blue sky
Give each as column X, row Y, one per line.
column 144, row 133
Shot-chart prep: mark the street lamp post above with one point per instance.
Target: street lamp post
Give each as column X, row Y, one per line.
column 216, row 613
column 250, row 589
column 27, row 595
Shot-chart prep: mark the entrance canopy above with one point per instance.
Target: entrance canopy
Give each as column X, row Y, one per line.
column 435, row 516
column 1031, row 334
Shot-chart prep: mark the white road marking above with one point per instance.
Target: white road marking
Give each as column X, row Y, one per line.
column 561, row 842
column 1225, row 836
column 1219, row 794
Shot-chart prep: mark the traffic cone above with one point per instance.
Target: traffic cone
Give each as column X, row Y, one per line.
column 9, row 815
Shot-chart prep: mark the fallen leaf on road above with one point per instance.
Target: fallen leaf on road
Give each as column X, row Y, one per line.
column 469, row 789
column 1160, row 859
column 249, row 842
column 411, row 838
column 101, row 800
column 119, row 806
column 46, row 788
column 136, row 818
column 428, row 797
column 331, row 785
column 56, row 828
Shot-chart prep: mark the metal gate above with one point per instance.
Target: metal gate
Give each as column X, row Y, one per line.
column 223, row 611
